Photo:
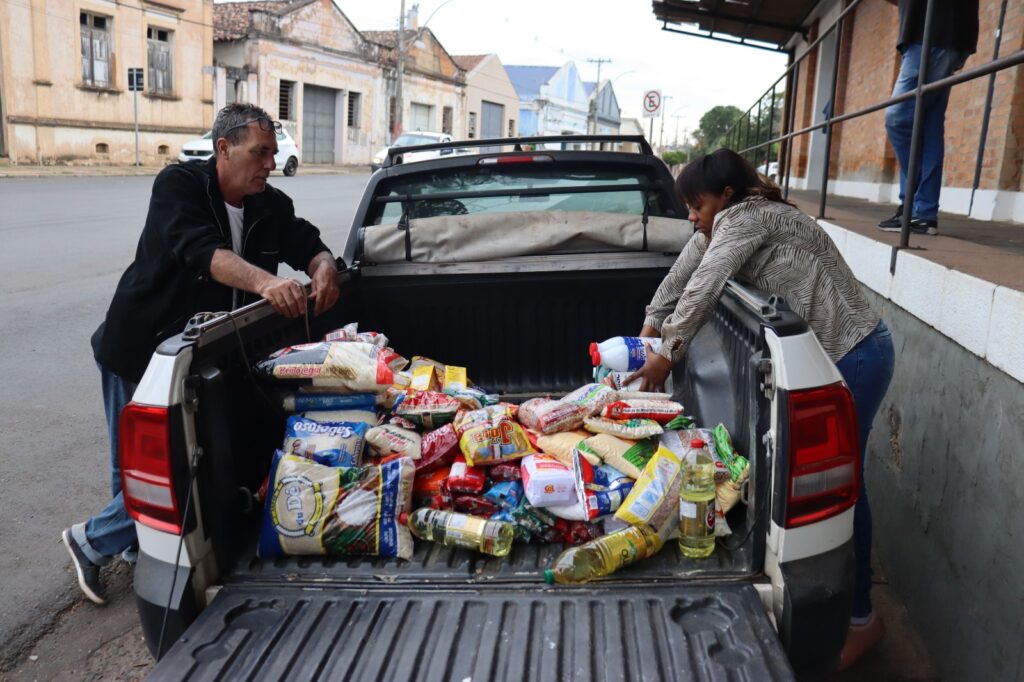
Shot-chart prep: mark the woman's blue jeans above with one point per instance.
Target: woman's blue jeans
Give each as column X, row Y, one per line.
column 867, row 370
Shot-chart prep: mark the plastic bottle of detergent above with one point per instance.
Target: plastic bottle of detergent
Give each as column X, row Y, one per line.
column 624, row 353
column 697, row 502
column 604, row 556
column 462, row 530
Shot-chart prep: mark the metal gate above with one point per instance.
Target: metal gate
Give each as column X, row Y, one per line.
column 490, row 119
column 318, row 108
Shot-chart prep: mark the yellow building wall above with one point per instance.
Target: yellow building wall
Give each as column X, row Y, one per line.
column 51, row 116
column 489, row 81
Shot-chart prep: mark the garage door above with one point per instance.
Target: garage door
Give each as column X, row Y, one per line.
column 318, row 124
column 491, row 115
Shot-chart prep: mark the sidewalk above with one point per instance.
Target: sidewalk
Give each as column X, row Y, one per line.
column 9, row 170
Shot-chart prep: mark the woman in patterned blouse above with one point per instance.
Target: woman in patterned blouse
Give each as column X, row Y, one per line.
column 745, row 229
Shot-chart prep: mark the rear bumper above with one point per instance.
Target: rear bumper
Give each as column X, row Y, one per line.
column 816, row 613
column 153, row 581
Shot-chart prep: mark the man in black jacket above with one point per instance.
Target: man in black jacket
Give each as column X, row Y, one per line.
column 214, row 236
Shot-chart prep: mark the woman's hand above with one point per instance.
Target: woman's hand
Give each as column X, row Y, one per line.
column 653, row 374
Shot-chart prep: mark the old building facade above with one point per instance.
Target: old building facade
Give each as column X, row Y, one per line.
column 433, row 84
column 552, row 99
column 64, row 78
column 492, row 105
column 307, row 65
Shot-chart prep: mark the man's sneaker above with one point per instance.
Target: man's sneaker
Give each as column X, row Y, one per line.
column 894, row 223
column 919, row 226
column 88, row 572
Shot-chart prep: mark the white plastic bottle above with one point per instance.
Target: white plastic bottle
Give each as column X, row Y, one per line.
column 624, row 353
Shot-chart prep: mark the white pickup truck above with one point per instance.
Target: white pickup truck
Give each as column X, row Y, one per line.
column 508, row 263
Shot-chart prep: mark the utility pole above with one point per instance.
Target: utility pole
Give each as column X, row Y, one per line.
column 396, row 129
column 592, row 117
column 661, row 135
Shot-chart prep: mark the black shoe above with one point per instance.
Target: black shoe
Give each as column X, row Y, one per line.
column 918, row 226
column 894, row 223
column 88, row 572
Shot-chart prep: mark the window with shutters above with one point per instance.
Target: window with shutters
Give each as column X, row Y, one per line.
column 161, row 60
column 446, row 120
column 286, row 101
column 422, row 116
column 95, row 46
column 355, row 110
column 471, row 133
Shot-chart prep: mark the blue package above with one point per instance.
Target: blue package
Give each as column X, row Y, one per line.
column 329, row 443
column 608, row 477
column 506, row 494
column 306, row 402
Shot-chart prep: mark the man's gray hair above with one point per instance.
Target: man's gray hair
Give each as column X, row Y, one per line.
column 230, row 119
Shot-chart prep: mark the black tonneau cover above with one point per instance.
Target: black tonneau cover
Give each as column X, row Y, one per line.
column 612, row 631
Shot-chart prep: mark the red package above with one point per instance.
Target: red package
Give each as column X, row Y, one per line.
column 443, row 500
column 438, row 448
column 261, row 494
column 404, row 423
column 464, row 478
column 508, row 471
column 428, row 485
column 580, row 532
column 475, row 505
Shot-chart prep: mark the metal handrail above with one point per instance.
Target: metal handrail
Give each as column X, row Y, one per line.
column 923, row 88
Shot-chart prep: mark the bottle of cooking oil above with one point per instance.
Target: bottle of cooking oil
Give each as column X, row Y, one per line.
column 697, row 502
column 462, row 530
column 604, row 556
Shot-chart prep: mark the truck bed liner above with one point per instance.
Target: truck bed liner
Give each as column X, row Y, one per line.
column 625, row 632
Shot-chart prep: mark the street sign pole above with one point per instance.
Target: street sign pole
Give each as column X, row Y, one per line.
column 652, row 105
column 135, row 94
column 135, row 84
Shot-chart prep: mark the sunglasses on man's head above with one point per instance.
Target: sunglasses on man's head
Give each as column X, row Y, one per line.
column 265, row 124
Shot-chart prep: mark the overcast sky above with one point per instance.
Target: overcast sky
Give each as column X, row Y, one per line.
column 696, row 74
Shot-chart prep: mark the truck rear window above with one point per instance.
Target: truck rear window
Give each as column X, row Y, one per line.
column 533, row 187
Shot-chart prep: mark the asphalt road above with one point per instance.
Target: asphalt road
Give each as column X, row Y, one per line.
column 64, row 242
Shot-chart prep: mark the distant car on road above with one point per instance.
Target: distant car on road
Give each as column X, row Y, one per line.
column 412, row 139
column 286, row 160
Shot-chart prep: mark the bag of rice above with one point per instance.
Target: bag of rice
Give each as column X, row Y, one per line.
column 592, row 396
column 629, row 457
column 350, row 332
column 551, row 416
column 307, row 402
column 632, row 429
column 651, row 499
column 546, row 481
column 561, row 445
column 354, row 366
column 491, row 435
column 428, row 409
column 388, row 439
column 317, row 509
column 661, row 411
column 368, row 417
column 328, row 443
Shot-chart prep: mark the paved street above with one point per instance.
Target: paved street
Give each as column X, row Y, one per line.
column 65, row 243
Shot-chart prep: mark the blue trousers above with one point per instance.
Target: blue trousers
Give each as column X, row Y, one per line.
column 899, row 123
column 867, row 370
column 110, row 532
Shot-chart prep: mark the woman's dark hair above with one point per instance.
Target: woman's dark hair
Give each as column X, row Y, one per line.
column 713, row 172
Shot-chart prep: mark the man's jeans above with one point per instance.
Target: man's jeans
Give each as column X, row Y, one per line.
column 110, row 532
column 899, row 123
column 867, row 370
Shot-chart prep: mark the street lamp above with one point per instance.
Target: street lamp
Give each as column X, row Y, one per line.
column 399, row 116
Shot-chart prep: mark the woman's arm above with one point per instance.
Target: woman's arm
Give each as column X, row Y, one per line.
column 665, row 298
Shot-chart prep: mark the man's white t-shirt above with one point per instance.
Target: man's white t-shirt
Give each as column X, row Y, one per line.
column 235, row 217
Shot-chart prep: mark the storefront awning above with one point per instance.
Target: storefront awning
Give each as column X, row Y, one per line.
column 767, row 24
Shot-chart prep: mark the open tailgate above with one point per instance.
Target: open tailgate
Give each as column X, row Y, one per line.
column 607, row 631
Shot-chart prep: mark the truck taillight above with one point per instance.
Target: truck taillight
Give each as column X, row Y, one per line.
column 146, row 477
column 823, row 465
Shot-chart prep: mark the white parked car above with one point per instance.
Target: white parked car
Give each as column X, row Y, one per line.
column 411, row 140
column 286, row 160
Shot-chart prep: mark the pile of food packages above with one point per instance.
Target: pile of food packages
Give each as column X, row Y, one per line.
column 373, row 438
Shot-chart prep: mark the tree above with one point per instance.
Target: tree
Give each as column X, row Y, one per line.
column 713, row 125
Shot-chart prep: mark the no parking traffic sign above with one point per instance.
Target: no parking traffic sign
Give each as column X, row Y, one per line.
column 652, row 103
